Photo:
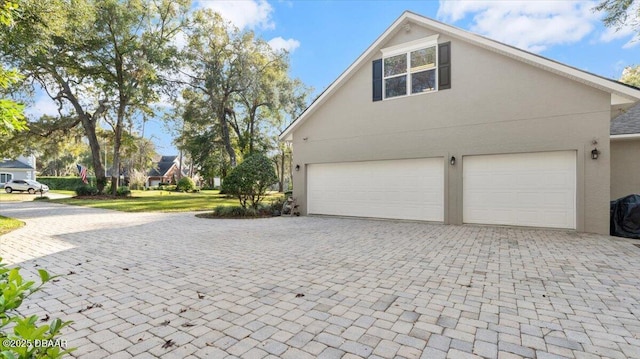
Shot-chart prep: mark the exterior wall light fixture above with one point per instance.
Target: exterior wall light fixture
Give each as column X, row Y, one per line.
column 297, row 168
column 452, row 161
column 595, row 153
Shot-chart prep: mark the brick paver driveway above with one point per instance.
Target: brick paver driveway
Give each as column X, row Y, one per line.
column 326, row 287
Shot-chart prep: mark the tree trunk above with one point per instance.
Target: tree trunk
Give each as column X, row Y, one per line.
column 226, row 138
column 281, row 184
column 89, row 126
column 252, row 118
column 115, row 170
column 180, row 167
column 115, row 174
column 90, row 131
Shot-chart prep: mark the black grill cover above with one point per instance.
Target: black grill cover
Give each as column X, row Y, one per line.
column 625, row 217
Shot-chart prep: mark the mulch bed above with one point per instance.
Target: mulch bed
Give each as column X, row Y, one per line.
column 211, row 215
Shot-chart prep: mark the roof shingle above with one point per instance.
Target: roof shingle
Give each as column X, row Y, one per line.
column 627, row 123
column 14, row 164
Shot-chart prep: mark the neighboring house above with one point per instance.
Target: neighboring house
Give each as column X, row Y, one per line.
column 23, row 167
column 164, row 170
column 435, row 123
column 625, row 153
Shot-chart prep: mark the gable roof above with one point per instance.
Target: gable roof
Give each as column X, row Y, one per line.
column 621, row 94
column 163, row 166
column 162, row 169
column 627, row 123
column 14, row 164
column 168, row 158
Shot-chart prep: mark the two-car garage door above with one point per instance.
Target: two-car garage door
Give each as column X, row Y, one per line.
column 401, row 189
column 529, row 189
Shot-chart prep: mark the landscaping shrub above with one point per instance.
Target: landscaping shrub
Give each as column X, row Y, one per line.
column 123, row 191
column 274, row 207
column 250, row 180
column 61, row 183
column 137, row 179
column 186, row 184
column 84, row 190
column 235, row 211
column 13, row 291
column 102, row 183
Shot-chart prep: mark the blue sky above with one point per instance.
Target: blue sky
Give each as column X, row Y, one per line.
column 325, row 37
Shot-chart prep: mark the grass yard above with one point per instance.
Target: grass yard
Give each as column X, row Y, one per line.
column 161, row 201
column 17, row 196
column 9, row 224
column 24, row 196
column 62, row 191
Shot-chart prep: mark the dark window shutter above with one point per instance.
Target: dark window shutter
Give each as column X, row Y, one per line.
column 377, row 80
column 444, row 66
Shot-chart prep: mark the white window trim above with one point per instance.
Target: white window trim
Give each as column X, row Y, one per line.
column 406, row 48
column 7, row 174
column 410, row 46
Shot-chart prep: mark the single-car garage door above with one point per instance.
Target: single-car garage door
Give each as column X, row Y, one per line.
column 400, row 189
column 529, row 189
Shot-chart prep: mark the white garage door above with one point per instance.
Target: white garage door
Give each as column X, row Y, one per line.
column 401, row 189
column 530, row 189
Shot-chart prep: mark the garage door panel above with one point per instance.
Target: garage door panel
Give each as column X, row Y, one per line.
column 531, row 189
column 403, row 189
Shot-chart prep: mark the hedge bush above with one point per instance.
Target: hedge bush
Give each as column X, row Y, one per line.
column 166, row 188
column 235, row 211
column 61, row 183
column 186, row 184
column 84, row 190
column 250, row 180
column 123, row 191
column 274, row 207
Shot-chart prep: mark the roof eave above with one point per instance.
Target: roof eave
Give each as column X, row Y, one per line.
column 625, row 137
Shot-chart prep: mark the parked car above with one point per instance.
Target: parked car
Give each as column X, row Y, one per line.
column 25, row 186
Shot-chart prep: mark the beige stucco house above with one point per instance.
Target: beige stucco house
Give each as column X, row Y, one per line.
column 435, row 123
column 625, row 154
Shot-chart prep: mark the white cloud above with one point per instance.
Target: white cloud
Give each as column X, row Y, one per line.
column 43, row 106
column 631, row 43
column 530, row 25
column 611, row 34
column 626, row 31
column 289, row 45
column 242, row 13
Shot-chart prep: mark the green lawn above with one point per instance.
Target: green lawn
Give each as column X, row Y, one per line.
column 62, row 191
column 24, row 196
column 161, row 201
column 9, row 224
column 16, row 196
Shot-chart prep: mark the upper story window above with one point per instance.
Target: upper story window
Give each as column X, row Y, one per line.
column 412, row 68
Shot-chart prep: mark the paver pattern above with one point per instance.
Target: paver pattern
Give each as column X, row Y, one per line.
column 176, row 286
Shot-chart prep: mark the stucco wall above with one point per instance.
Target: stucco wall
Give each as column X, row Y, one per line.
column 625, row 168
column 496, row 105
column 19, row 174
